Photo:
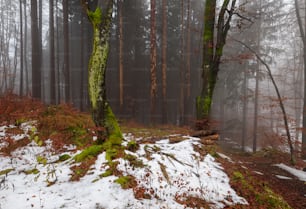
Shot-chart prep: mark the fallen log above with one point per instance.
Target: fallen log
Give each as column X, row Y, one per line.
column 203, row 133
column 209, row 140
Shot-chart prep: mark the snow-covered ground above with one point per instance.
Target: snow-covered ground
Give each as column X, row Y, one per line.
column 172, row 173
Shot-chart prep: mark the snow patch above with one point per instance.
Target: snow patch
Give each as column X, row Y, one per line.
column 301, row 175
column 171, row 172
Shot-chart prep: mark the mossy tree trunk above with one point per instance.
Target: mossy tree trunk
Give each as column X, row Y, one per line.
column 100, row 108
column 214, row 39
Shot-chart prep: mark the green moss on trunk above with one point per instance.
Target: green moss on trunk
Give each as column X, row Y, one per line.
column 111, row 135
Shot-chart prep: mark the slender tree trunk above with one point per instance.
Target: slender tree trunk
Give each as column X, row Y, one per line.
column 121, row 93
column 40, row 20
column 188, row 50
column 153, row 91
column 82, row 64
column 52, row 53
column 182, row 65
column 66, row 51
column 245, row 109
column 257, row 87
column 256, row 109
column 164, row 60
column 280, row 101
column 58, row 71
column 36, row 56
column 21, row 49
column 303, row 37
column 26, row 47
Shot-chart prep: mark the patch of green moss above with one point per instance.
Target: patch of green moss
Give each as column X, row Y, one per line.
column 263, row 196
column 272, row 199
column 134, row 161
column 107, row 173
column 114, row 132
column 19, row 121
column 91, row 151
column 111, row 154
column 95, row 16
column 32, row 171
column 6, row 171
column 132, row 146
column 126, row 182
column 237, row 176
column 63, row 158
column 41, row 160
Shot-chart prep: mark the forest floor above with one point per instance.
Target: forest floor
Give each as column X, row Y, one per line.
column 266, row 167
column 263, row 179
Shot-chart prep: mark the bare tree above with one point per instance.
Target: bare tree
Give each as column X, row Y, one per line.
column 303, row 37
column 36, row 55
column 164, row 60
column 21, row 48
column 52, row 53
column 66, row 50
column 153, row 56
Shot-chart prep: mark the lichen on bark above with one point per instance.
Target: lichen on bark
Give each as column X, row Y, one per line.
column 110, row 134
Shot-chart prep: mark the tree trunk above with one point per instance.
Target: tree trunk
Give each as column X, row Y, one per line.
column 303, row 36
column 26, row 47
column 164, row 60
column 52, row 53
column 36, row 55
column 21, row 49
column 255, row 125
column 66, row 51
column 82, row 64
column 120, row 53
column 153, row 90
column 100, row 108
column 212, row 52
column 188, row 50
column 245, row 109
column 182, row 65
column 58, row 71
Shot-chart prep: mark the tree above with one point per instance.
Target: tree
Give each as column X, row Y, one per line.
column 52, row 52
column 164, row 60
column 213, row 50
column 66, row 50
column 21, row 49
column 280, row 101
column 153, row 65
column 36, row 55
column 303, row 37
column 120, row 5
column 101, row 111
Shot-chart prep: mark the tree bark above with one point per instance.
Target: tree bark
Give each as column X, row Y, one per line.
column 120, row 53
column 153, row 90
column 100, row 108
column 36, row 55
column 164, row 60
column 182, row 65
column 52, row 53
column 21, row 49
column 26, row 48
column 66, row 51
column 212, row 52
